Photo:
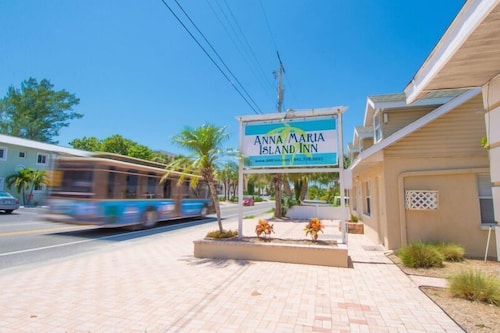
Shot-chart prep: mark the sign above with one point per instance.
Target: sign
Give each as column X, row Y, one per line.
column 291, row 143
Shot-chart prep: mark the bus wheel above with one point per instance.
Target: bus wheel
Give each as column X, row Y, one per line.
column 204, row 212
column 149, row 217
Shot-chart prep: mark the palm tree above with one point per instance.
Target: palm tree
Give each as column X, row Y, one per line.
column 227, row 175
column 205, row 146
column 38, row 178
column 21, row 180
column 260, row 180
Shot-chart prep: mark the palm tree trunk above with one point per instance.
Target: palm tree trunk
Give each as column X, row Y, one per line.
column 215, row 199
column 286, row 187
column 303, row 190
column 277, row 188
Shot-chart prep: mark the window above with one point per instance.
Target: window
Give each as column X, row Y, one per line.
column 111, row 182
column 151, row 185
column 132, row 181
column 167, row 189
column 377, row 128
column 485, row 199
column 22, row 154
column 3, row 153
column 39, row 188
column 42, row 159
column 367, row 206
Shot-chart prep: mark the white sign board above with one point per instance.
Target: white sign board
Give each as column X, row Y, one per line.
column 291, row 143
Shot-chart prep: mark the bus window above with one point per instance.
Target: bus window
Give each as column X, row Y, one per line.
column 76, row 181
column 131, row 191
column 111, row 182
column 202, row 191
column 152, row 182
column 186, row 190
column 167, row 189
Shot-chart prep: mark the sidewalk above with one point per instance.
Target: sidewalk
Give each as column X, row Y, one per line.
column 154, row 284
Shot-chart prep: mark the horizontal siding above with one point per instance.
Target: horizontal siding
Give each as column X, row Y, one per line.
column 398, row 119
column 457, row 133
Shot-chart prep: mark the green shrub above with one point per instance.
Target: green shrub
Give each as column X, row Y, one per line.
column 451, row 251
column 258, row 199
column 475, row 285
column 420, row 255
column 354, row 218
column 224, row 234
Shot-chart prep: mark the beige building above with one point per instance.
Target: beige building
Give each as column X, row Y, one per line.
column 426, row 163
column 423, row 174
column 468, row 55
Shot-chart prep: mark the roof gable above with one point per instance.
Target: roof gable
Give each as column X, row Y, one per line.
column 443, row 109
column 13, row 140
column 468, row 54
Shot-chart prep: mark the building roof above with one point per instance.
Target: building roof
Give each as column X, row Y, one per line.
column 375, row 149
column 468, row 54
column 41, row 146
column 376, row 103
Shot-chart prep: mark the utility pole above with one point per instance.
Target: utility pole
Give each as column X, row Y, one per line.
column 277, row 177
column 279, row 76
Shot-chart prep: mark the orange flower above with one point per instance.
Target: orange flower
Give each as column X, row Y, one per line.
column 263, row 227
column 314, row 227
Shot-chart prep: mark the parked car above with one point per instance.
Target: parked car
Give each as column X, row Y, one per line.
column 248, row 201
column 8, row 203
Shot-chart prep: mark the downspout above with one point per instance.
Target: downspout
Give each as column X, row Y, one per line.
column 401, row 190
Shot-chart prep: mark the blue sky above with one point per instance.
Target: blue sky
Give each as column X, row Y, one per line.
column 139, row 74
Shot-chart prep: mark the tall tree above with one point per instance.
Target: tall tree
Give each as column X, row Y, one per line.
column 36, row 111
column 205, row 147
column 162, row 157
column 114, row 144
column 117, row 144
column 89, row 144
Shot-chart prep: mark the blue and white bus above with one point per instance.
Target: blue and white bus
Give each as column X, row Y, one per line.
column 110, row 190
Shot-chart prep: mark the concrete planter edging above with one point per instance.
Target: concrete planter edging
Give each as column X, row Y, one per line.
column 354, row 227
column 322, row 255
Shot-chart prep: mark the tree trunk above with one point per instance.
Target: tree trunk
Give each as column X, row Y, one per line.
column 277, row 189
column 226, row 190
column 303, row 190
column 286, row 187
column 215, row 199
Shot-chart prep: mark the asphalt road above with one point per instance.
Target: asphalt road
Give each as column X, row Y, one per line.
column 25, row 238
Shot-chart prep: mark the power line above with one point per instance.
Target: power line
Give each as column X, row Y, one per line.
column 218, row 56
column 238, row 45
column 274, row 43
column 251, row 52
column 208, row 55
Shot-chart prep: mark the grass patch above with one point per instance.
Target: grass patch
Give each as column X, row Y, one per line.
column 249, row 217
column 421, row 255
column 475, row 285
column 451, row 251
column 432, row 254
column 223, row 234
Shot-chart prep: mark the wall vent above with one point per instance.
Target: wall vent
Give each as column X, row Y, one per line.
column 421, row 200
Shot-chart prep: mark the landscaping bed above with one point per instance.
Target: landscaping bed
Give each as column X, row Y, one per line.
column 298, row 251
column 471, row 316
